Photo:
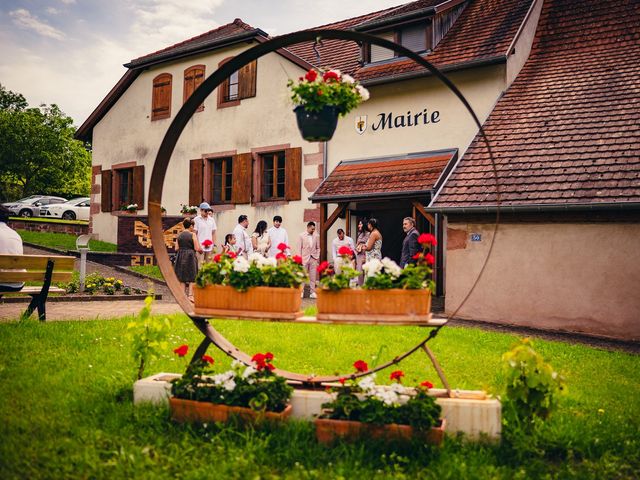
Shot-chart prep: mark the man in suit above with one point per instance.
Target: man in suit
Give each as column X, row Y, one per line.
column 410, row 245
column 309, row 247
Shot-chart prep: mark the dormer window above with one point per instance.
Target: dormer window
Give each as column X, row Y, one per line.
column 416, row 37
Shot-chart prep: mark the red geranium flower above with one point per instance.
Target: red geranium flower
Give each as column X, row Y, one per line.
column 268, row 356
column 311, row 75
column 208, row 359
column 323, row 266
column 426, row 384
column 232, row 254
column 217, row 257
column 283, row 246
column 181, row 350
column 297, row 259
column 342, row 380
column 258, row 358
column 417, row 256
column 397, row 375
column 344, row 250
column 331, row 75
column 207, row 243
column 269, row 366
column 361, row 366
column 281, row 256
column 427, row 239
column 430, row 259
column 319, row 92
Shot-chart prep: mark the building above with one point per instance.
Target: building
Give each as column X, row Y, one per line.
column 413, row 150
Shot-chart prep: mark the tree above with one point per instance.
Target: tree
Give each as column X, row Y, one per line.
column 38, row 153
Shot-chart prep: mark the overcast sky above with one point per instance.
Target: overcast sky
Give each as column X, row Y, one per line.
column 70, row 52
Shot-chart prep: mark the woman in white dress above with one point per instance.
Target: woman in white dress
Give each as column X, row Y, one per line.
column 260, row 239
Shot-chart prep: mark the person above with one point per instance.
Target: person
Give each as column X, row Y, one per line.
column 410, row 245
column 361, row 243
column 243, row 241
column 373, row 247
column 260, row 240
column 230, row 243
column 11, row 244
column 340, row 241
column 205, row 228
column 309, row 247
column 277, row 235
column 186, row 264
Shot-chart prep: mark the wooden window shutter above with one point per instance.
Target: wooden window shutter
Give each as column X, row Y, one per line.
column 247, row 80
column 195, row 181
column 293, row 173
column 161, row 103
column 138, row 186
column 193, row 77
column 241, row 178
column 105, row 191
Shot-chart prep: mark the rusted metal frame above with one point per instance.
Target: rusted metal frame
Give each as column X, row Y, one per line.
column 175, row 130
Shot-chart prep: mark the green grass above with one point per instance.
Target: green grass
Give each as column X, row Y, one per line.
column 50, row 220
column 66, row 411
column 149, row 271
column 63, row 241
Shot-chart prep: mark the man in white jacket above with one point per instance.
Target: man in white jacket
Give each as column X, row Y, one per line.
column 278, row 235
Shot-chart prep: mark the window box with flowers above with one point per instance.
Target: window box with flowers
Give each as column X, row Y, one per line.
column 255, row 287
column 321, row 98
column 187, row 210
column 131, row 208
column 252, row 393
column 362, row 409
column 389, row 294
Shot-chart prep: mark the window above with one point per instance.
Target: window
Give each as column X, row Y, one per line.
column 161, row 102
column 415, row 37
column 222, row 180
column 124, row 179
column 273, row 175
column 193, row 77
column 379, row 53
column 240, row 85
column 122, row 186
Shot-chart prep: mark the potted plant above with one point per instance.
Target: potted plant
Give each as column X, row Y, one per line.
column 395, row 412
column 131, row 208
column 250, row 392
column 320, row 98
column 253, row 287
column 389, row 293
column 187, row 210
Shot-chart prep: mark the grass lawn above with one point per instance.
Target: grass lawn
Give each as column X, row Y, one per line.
column 66, row 410
column 149, row 270
column 63, row 241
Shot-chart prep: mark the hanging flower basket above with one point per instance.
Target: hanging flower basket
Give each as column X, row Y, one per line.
column 317, row 126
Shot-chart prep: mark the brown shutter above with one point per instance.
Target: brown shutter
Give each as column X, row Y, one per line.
column 138, row 186
column 241, row 191
column 105, row 190
column 195, row 181
column 193, row 77
column 247, row 80
column 161, row 103
column 293, row 173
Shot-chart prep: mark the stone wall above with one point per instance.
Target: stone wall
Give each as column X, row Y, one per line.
column 52, row 227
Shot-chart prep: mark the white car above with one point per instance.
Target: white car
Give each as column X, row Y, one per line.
column 75, row 209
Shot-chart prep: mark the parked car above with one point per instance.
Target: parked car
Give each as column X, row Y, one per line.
column 75, row 209
column 31, row 206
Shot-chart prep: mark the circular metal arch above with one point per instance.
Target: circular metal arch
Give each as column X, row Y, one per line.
column 173, row 134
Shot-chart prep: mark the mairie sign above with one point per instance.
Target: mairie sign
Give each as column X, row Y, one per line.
column 390, row 120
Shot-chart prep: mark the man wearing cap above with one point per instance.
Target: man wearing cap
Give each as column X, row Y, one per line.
column 205, row 228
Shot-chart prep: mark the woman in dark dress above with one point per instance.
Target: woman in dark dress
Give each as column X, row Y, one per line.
column 186, row 265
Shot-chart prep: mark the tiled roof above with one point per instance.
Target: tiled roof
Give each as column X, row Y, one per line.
column 377, row 177
column 568, row 129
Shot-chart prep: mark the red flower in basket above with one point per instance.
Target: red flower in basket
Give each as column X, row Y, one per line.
column 430, row 259
column 217, row 257
column 322, row 267
column 283, row 246
column 331, row 75
column 311, row 75
column 397, row 375
column 297, row 259
column 417, row 256
column 208, row 359
column 427, row 239
column 232, row 254
column 268, row 356
column 181, row 350
column 426, row 384
column 207, row 243
column 361, row 366
column 281, row 256
column 345, row 251
column 342, row 380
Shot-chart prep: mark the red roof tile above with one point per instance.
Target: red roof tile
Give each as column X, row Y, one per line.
column 364, row 178
column 568, row 129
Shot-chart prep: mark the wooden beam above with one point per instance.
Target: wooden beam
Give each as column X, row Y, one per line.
column 334, row 216
column 418, row 206
column 323, row 232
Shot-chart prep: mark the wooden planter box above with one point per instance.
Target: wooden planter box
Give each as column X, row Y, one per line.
column 257, row 302
column 328, row 431
column 394, row 305
column 205, row 412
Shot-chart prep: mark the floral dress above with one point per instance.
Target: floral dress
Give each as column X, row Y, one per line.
column 376, row 251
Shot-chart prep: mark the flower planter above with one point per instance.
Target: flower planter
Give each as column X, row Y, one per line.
column 256, row 303
column 203, row 412
column 328, row 431
column 317, row 126
column 359, row 305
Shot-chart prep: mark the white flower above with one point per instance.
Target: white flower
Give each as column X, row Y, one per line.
column 267, row 262
column 372, row 267
column 368, row 383
column 236, row 364
column 348, row 79
column 398, row 388
column 391, row 267
column 363, row 92
column 255, row 257
column 240, row 264
column 387, row 396
column 229, row 385
column 248, row 372
column 223, row 378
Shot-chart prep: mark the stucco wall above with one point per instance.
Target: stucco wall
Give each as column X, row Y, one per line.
column 574, row 277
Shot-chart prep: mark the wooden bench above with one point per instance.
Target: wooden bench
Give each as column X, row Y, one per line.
column 37, row 268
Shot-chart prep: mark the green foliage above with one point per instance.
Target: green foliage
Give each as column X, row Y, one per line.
column 385, row 274
column 317, row 90
column 532, row 385
column 258, row 389
column 97, row 283
column 148, row 270
column 63, row 241
column 148, row 336
column 38, row 153
column 337, row 281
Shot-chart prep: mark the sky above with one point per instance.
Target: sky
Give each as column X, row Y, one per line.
column 71, row 52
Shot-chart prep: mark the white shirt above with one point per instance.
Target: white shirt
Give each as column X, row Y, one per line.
column 243, row 240
column 336, row 243
column 204, row 228
column 11, row 244
column 277, row 236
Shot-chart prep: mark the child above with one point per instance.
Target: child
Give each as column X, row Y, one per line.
column 230, row 244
